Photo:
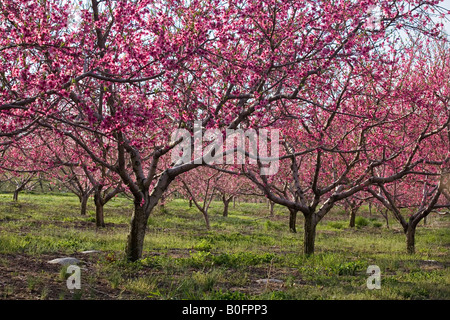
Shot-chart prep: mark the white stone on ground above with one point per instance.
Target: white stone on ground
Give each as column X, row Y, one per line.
column 269, row 281
column 65, row 261
column 90, row 251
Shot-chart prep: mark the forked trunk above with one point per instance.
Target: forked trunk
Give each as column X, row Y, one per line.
column 139, row 219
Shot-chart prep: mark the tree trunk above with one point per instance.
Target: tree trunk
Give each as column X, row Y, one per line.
column 136, row 236
column 190, row 203
column 139, row 219
column 353, row 211
column 225, row 208
column 205, row 215
column 84, row 199
column 234, row 202
column 292, row 220
column 16, row 195
column 310, row 234
column 99, row 217
column 272, row 205
column 410, row 238
column 386, row 217
column 226, row 205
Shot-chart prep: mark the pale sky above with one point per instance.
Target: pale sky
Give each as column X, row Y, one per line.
column 446, row 5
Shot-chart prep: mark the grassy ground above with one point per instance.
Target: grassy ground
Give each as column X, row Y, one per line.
column 184, row 261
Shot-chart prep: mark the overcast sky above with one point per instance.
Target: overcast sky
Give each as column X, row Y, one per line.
column 446, row 5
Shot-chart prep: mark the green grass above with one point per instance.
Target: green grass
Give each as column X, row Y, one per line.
column 183, row 260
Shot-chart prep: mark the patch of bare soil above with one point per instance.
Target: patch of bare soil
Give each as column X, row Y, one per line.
column 262, row 280
column 431, row 265
column 24, row 277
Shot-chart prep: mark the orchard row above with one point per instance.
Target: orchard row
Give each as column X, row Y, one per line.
column 92, row 92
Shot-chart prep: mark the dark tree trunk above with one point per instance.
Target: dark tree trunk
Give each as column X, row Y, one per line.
column 136, row 236
column 353, row 211
column 139, row 219
column 292, row 220
column 84, row 199
column 16, row 195
column 226, row 204
column 310, row 234
column 225, row 208
column 410, row 238
column 190, row 203
column 99, row 217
